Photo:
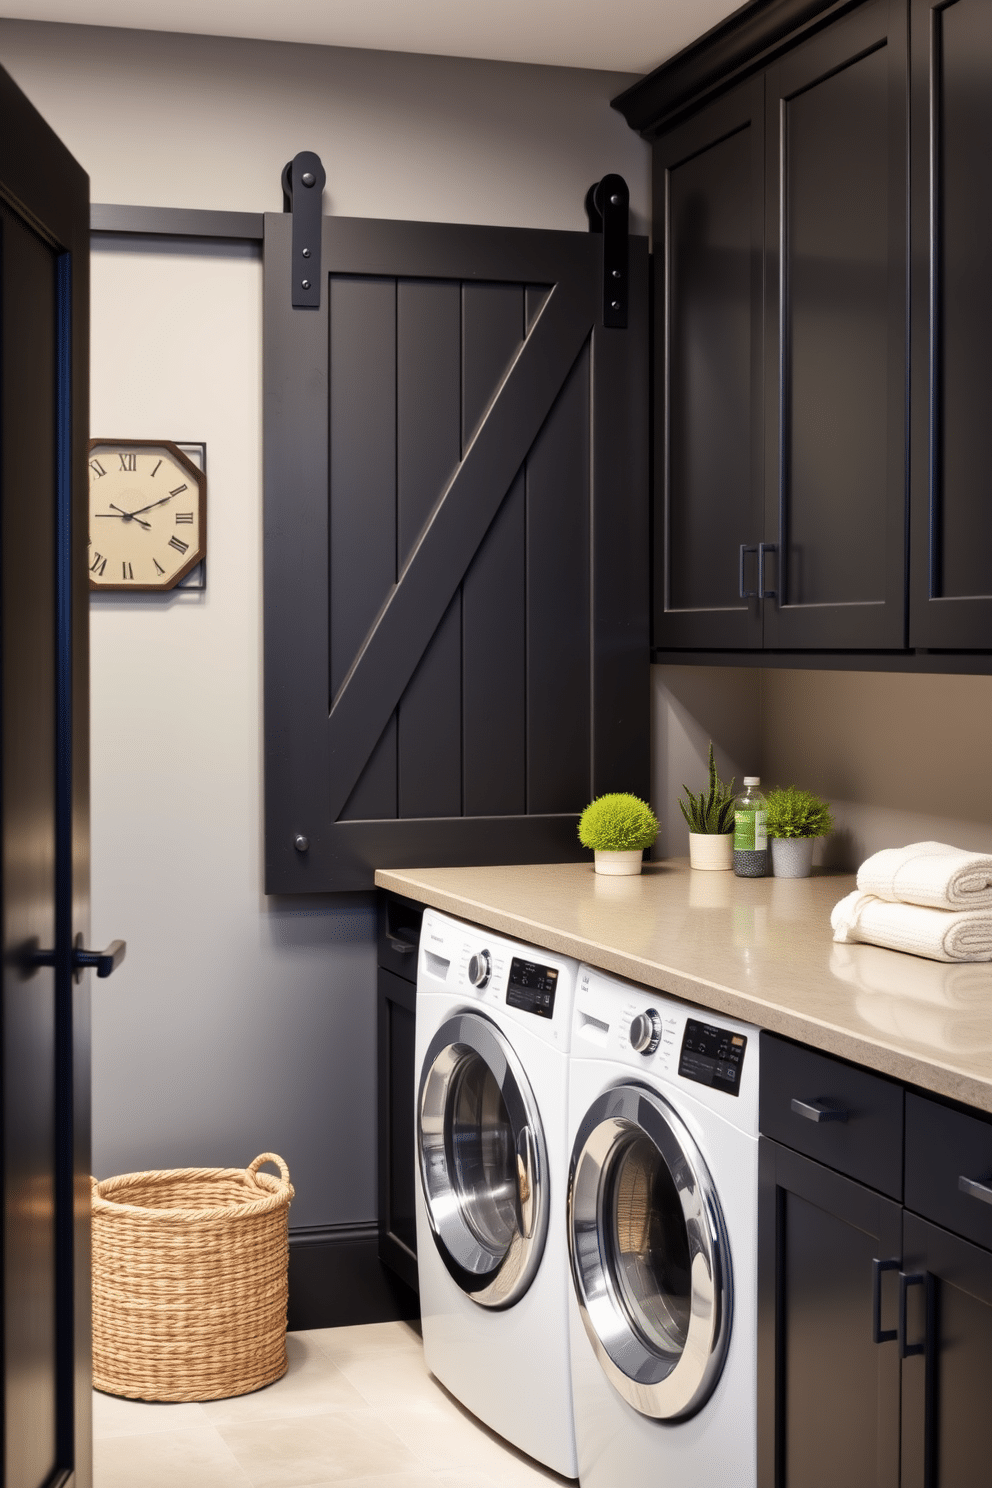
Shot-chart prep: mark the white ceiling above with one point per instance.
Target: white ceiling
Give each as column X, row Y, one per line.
column 615, row 35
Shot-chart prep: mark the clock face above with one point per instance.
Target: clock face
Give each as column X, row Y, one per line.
column 147, row 514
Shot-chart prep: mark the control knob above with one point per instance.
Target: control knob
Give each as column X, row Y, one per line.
column 480, row 969
column 645, row 1032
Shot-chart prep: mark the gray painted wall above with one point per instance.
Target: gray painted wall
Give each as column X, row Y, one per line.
column 240, row 1023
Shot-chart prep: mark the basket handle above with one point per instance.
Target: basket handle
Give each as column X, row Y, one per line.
column 272, row 1157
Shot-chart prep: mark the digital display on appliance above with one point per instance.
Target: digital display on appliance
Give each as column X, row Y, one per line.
column 712, row 1056
column 532, row 987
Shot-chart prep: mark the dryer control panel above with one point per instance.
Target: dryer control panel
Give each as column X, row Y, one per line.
column 712, row 1056
column 532, row 987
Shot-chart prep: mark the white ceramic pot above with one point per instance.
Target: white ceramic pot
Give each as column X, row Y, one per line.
column 711, row 850
column 619, row 864
column 792, row 857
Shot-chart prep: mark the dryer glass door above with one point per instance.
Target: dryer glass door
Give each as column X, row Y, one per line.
column 483, row 1163
column 649, row 1253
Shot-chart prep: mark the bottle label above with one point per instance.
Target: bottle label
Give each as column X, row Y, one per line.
column 750, row 831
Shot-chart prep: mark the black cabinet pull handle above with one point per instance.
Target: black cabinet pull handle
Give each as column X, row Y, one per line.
column 877, row 1334
column 763, row 550
column 817, row 1111
column 106, row 962
column 915, row 1278
column 402, row 947
column 746, row 593
column 974, row 1189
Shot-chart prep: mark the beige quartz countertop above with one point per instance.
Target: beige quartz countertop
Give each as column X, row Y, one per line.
column 758, row 949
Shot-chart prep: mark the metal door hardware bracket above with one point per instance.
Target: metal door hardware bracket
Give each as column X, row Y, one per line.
column 302, row 194
column 608, row 209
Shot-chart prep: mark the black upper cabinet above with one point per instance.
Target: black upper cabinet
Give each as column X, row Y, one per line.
column 709, row 211
column 952, row 319
column 835, row 481
column 781, row 490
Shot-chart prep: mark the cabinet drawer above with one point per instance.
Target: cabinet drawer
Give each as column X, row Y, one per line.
column 860, row 1129
column 942, row 1148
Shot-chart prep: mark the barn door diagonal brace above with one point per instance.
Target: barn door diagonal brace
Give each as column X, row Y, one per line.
column 302, row 194
column 608, row 209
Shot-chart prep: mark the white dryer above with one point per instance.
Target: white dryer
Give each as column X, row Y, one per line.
column 493, row 1026
column 663, row 1230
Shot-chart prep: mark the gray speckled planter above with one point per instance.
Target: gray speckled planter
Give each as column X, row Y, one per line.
column 792, row 857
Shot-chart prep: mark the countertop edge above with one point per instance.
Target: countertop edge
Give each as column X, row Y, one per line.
column 939, row 1077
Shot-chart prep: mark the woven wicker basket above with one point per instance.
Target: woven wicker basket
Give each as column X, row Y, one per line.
column 190, row 1281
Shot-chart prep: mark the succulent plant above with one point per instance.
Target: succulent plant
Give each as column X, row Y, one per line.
column 711, row 812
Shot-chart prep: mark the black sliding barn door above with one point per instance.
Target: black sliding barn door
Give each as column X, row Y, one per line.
column 456, row 549
column 44, row 845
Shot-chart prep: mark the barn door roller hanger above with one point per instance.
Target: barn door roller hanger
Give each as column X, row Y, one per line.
column 302, row 194
column 608, row 209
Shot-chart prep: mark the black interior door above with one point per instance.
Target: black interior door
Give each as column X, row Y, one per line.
column 44, row 416
column 456, row 549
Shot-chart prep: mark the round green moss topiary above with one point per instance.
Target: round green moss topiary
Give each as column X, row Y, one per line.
column 617, row 823
column 793, row 812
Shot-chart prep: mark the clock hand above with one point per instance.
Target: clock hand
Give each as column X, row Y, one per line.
column 124, row 516
column 149, row 506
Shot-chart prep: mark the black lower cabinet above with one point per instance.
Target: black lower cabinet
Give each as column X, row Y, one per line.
column 828, row 1393
column 399, row 938
column 875, row 1309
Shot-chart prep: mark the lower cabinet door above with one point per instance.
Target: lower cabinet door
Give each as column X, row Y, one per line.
column 397, row 1143
column 945, row 1389
column 828, row 1393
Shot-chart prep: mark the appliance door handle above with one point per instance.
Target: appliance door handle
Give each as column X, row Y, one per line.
column 526, row 1179
column 817, row 1111
column 974, row 1189
column 877, row 1333
column 106, row 962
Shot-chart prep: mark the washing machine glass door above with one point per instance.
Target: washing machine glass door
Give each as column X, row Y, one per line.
column 649, row 1253
column 483, row 1162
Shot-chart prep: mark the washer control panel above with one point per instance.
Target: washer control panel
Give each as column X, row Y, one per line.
column 712, row 1056
column 532, row 987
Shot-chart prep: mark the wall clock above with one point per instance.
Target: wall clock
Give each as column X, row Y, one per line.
column 148, row 514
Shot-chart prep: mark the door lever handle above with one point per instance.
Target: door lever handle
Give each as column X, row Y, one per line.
column 106, row 962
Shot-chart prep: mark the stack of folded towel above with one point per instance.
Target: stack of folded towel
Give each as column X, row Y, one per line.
column 929, row 899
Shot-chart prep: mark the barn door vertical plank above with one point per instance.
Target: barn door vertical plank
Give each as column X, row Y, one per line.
column 493, row 633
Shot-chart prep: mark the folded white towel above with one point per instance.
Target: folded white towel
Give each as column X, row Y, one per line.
column 939, row 934
column 931, row 874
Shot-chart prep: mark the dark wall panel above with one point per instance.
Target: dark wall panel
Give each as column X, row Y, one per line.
column 710, row 350
column 428, row 401
column 558, row 611
column 965, row 165
column 837, row 257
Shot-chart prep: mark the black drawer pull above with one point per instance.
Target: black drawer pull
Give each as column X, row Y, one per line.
column 877, row 1334
column 975, row 1190
column 918, row 1278
column 400, row 946
column 817, row 1111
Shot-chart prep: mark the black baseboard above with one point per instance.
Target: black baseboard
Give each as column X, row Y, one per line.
column 336, row 1279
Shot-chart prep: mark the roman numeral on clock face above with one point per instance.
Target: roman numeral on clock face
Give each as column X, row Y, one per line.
column 184, row 517
column 97, row 468
column 98, row 565
column 158, row 566
column 128, row 462
column 127, row 572
column 179, row 490
column 180, row 547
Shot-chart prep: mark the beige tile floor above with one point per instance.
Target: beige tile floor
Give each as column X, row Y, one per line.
column 356, row 1409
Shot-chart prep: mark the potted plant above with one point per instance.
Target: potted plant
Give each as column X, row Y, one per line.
column 618, row 828
column 795, row 819
column 710, row 819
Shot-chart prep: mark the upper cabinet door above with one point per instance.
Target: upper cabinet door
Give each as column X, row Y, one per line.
column 456, row 549
column 836, row 372
column 952, row 324
column 708, row 227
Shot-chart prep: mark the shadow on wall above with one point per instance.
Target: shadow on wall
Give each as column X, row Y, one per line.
column 900, row 756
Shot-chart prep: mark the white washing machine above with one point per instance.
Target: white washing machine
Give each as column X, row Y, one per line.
column 493, row 1026
column 663, row 1231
